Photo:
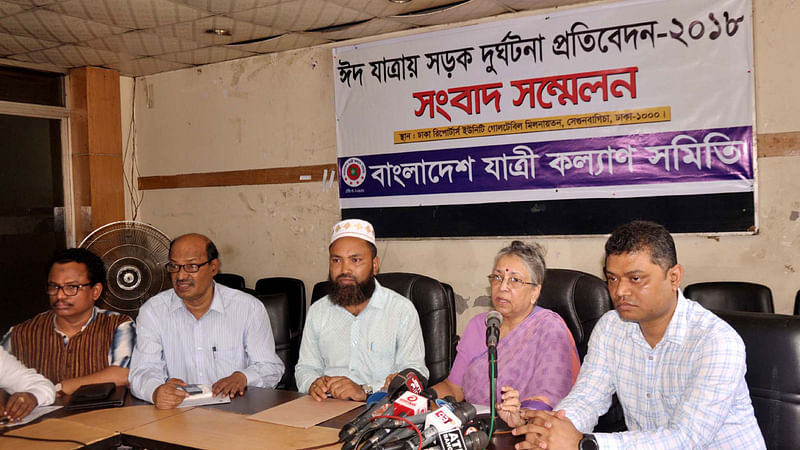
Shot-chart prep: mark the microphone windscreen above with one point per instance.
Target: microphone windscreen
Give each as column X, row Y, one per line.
column 375, row 398
column 494, row 318
column 477, row 440
column 430, row 394
column 396, row 383
column 423, row 381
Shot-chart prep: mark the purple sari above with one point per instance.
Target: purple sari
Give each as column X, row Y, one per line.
column 538, row 358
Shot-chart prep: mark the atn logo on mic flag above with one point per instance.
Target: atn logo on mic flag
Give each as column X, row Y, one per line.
column 452, row 440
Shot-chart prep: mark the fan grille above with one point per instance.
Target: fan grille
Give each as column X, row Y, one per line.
column 134, row 254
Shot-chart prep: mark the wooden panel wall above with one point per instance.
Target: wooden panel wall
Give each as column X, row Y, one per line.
column 96, row 139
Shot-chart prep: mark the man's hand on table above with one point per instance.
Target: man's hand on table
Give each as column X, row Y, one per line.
column 547, row 429
column 231, row 385
column 18, row 406
column 169, row 395
column 338, row 387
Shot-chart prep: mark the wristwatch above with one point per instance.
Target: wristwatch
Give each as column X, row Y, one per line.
column 367, row 389
column 588, row 442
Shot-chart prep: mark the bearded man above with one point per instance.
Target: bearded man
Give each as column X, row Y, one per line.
column 360, row 332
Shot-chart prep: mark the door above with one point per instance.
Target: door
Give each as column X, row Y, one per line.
column 31, row 213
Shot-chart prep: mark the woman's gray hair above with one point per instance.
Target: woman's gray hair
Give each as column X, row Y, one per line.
column 531, row 254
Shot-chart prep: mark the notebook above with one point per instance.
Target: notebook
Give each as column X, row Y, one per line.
column 95, row 396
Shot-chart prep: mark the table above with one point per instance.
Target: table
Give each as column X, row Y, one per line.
column 223, row 426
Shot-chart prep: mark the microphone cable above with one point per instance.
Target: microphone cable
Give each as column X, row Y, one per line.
column 30, row 438
column 410, row 424
column 493, row 385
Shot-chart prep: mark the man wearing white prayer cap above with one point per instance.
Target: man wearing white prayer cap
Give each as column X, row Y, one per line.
column 360, row 332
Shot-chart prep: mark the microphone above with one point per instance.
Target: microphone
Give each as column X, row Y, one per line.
column 409, row 404
column 406, row 380
column 404, row 431
column 376, row 397
column 493, row 321
column 437, row 422
column 454, row 440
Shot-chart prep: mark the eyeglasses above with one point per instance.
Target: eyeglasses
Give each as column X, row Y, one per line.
column 188, row 268
column 512, row 283
column 70, row 290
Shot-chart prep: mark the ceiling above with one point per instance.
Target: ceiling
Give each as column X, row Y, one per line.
column 143, row 37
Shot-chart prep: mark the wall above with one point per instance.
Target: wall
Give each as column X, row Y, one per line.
column 277, row 110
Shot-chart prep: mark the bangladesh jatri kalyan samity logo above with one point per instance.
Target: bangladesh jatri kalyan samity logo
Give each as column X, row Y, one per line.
column 354, row 172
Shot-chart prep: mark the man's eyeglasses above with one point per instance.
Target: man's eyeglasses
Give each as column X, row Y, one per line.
column 188, row 268
column 70, row 290
column 512, row 283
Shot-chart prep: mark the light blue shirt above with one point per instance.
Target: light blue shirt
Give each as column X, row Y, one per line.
column 385, row 337
column 233, row 335
column 687, row 392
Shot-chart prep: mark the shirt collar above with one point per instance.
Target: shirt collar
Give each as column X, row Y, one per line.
column 676, row 330
column 376, row 301
column 91, row 319
column 176, row 302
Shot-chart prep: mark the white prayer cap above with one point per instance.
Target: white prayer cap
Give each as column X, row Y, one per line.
column 354, row 228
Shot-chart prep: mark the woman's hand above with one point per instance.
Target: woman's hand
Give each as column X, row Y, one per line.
column 509, row 409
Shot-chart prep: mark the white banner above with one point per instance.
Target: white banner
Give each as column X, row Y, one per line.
column 636, row 98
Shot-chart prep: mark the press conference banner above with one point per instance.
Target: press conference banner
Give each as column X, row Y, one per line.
column 630, row 99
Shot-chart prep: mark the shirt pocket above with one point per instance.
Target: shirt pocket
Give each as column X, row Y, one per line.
column 380, row 358
column 228, row 360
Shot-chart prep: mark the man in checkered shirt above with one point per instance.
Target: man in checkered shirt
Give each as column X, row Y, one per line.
column 677, row 369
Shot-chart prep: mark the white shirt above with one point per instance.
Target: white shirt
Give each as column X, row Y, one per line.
column 233, row 335
column 384, row 338
column 14, row 377
column 687, row 392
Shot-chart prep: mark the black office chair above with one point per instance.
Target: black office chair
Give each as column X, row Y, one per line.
column 320, row 290
column 295, row 290
column 581, row 299
column 772, row 343
column 731, row 296
column 231, row 280
column 436, row 309
column 452, row 295
column 797, row 303
column 277, row 306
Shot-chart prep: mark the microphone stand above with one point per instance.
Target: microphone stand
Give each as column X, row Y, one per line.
column 493, row 386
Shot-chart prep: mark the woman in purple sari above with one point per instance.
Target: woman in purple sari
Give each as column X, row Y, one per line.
column 537, row 361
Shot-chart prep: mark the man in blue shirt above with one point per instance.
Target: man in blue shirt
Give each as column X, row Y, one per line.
column 361, row 331
column 201, row 332
column 677, row 369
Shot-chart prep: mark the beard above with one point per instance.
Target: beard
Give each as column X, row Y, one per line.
column 350, row 294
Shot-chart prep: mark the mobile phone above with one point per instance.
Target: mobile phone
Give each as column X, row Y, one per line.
column 192, row 389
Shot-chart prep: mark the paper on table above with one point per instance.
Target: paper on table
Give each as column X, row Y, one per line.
column 204, row 398
column 305, row 412
column 37, row 412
